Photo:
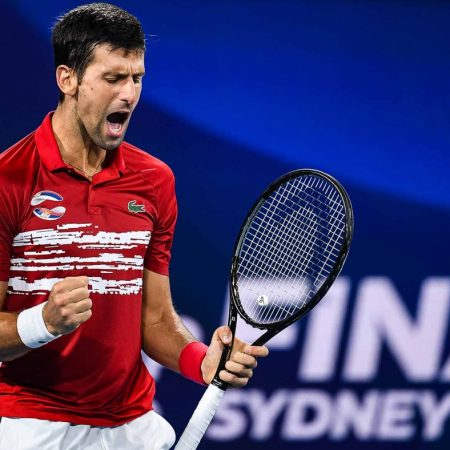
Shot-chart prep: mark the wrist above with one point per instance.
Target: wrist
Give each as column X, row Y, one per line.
column 51, row 329
column 32, row 328
column 190, row 361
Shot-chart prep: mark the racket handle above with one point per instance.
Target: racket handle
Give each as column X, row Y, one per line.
column 201, row 418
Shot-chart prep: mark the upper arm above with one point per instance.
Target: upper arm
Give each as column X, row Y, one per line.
column 156, row 297
column 157, row 257
column 3, row 288
column 9, row 220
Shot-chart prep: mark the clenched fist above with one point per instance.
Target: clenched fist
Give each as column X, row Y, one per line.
column 68, row 305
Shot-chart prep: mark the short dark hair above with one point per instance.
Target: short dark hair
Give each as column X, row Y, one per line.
column 77, row 33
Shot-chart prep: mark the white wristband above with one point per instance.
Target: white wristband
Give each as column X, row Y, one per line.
column 32, row 329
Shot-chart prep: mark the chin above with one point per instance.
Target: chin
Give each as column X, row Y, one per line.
column 110, row 145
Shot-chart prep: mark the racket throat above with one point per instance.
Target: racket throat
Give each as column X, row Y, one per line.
column 266, row 337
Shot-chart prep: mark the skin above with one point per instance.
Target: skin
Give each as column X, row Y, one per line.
column 112, row 83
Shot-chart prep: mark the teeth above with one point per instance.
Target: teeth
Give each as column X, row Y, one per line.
column 115, row 126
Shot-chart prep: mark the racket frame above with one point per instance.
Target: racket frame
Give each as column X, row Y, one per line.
column 274, row 328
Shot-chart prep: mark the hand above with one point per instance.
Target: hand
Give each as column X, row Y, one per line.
column 241, row 363
column 68, row 305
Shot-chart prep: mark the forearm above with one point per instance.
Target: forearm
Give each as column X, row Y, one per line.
column 11, row 346
column 163, row 333
column 67, row 307
column 164, row 338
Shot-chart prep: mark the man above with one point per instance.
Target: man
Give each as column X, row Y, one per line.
column 85, row 236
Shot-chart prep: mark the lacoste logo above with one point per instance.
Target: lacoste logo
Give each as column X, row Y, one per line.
column 45, row 213
column 134, row 208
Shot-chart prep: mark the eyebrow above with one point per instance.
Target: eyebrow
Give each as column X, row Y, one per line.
column 122, row 74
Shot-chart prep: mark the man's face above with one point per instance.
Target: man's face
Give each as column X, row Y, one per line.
column 107, row 95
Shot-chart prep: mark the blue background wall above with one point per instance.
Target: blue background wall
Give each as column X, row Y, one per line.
column 239, row 92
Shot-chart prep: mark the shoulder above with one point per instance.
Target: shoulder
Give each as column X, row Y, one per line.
column 17, row 157
column 18, row 168
column 19, row 162
column 137, row 160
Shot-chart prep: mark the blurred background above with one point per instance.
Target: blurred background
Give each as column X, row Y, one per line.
column 238, row 92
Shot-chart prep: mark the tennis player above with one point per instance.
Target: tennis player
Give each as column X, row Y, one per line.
column 85, row 235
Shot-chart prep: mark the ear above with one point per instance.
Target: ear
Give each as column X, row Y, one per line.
column 67, row 80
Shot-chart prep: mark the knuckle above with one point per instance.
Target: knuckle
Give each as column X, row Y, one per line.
column 64, row 313
column 243, row 368
column 57, row 301
column 86, row 316
column 226, row 376
column 241, row 382
column 61, row 299
column 58, row 287
column 244, row 361
column 71, row 324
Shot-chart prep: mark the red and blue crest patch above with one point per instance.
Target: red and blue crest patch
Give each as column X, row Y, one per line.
column 46, row 213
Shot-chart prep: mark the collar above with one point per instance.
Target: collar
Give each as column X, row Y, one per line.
column 51, row 157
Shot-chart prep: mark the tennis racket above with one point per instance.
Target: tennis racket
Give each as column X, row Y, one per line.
column 290, row 249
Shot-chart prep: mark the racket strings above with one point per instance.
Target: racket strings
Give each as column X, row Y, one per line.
column 260, row 232
column 285, row 265
column 286, row 249
column 287, row 257
column 283, row 279
column 329, row 227
column 308, row 244
column 303, row 285
column 304, row 234
column 290, row 248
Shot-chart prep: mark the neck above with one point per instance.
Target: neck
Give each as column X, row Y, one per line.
column 76, row 150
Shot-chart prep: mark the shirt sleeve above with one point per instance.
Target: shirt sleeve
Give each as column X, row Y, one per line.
column 6, row 232
column 157, row 257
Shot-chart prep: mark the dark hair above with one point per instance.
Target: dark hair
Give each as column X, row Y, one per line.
column 77, row 33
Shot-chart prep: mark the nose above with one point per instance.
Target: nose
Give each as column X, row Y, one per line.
column 128, row 92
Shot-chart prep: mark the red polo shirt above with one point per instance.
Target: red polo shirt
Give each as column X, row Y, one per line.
column 55, row 223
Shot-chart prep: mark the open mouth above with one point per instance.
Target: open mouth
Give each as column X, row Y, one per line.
column 115, row 122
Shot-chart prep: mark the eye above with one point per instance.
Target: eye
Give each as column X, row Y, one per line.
column 137, row 79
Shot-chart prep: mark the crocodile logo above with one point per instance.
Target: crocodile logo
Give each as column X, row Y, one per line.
column 135, row 208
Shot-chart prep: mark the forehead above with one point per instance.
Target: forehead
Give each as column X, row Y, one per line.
column 105, row 58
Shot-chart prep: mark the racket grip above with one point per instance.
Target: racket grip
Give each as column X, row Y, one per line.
column 201, row 418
